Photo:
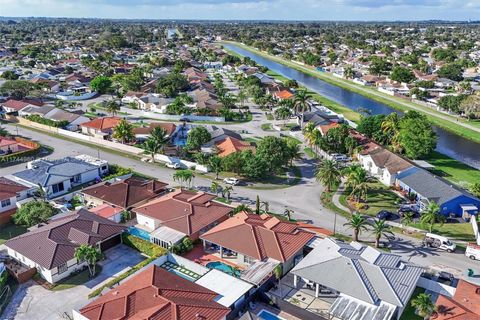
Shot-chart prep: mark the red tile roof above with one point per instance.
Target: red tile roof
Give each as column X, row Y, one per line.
column 106, row 210
column 261, row 236
column 15, row 104
column 185, row 211
column 284, row 94
column 156, row 294
column 230, row 145
column 102, row 124
column 9, row 188
column 168, row 127
column 464, row 305
column 126, row 193
column 6, row 142
column 325, row 127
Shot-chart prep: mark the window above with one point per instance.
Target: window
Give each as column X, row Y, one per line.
column 62, row 268
column 6, row 203
column 58, row 187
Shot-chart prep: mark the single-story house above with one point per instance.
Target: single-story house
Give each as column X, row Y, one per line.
column 365, row 283
column 108, row 211
column 155, row 293
column 143, row 133
column 178, row 214
column 464, row 305
column 11, row 105
column 10, row 193
column 231, row 145
column 57, row 177
column 100, row 127
column 247, row 238
column 74, row 120
column 51, row 247
column 217, row 135
column 34, row 110
column 428, row 187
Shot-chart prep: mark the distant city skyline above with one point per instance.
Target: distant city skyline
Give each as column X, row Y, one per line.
column 356, row 10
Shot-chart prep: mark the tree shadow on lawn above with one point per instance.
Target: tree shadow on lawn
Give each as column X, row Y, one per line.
column 414, row 249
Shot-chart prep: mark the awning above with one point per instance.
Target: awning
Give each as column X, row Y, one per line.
column 167, row 235
column 469, row 207
column 349, row 308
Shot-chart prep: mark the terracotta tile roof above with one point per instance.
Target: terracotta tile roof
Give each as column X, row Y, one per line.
column 54, row 244
column 106, row 210
column 126, row 193
column 6, row 142
column 156, row 294
column 284, row 94
column 168, row 127
column 15, row 104
column 231, row 145
column 464, row 305
column 102, row 124
column 325, row 127
column 185, row 211
column 137, row 94
column 261, row 236
column 9, row 188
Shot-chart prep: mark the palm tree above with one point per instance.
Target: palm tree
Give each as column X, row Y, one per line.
column 123, row 131
column 113, row 107
column 328, row 174
column 151, row 148
column 242, row 207
column 288, row 213
column 408, row 218
column 301, row 103
column 381, row 229
column 423, row 305
column 432, row 215
column 184, row 176
column 3, row 131
column 391, row 126
column 215, row 164
column 356, row 180
column 161, row 138
column 226, row 192
column 215, row 188
column 358, row 223
column 88, row 254
column 348, row 72
column 265, row 205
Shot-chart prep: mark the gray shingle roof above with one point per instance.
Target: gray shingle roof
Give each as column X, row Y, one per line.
column 360, row 272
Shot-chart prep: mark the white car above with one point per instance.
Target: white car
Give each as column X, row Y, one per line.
column 232, row 181
column 173, row 165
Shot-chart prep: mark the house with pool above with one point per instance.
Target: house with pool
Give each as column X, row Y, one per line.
column 168, row 219
column 257, row 244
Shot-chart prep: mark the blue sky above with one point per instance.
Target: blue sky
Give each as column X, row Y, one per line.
column 248, row 9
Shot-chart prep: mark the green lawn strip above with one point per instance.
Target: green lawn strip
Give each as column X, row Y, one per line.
column 374, row 94
column 10, row 230
column 280, row 181
column 309, row 152
column 379, row 197
column 453, row 170
column 266, row 127
column 75, row 280
column 454, row 231
column 145, row 247
column 326, row 200
column 409, row 312
column 223, row 200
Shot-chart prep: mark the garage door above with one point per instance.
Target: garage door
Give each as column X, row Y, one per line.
column 112, row 242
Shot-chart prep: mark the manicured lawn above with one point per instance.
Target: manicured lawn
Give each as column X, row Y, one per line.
column 409, row 312
column 379, row 198
column 309, row 152
column 454, row 231
column 9, row 231
column 75, row 280
column 453, row 170
column 266, row 127
column 279, row 181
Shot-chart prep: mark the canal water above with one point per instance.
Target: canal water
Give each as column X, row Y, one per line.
column 448, row 143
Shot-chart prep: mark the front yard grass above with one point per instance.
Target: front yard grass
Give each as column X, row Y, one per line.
column 454, row 231
column 453, row 170
column 379, row 197
column 409, row 312
column 10, row 230
column 75, row 280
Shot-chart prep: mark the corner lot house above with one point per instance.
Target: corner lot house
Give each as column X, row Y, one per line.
column 182, row 213
column 155, row 293
column 10, row 193
column 100, row 127
column 362, row 282
column 245, row 239
column 57, row 177
column 51, row 248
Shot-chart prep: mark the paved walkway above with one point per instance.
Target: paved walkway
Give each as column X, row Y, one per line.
column 336, row 198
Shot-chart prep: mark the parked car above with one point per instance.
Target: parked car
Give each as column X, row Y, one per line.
column 384, row 215
column 340, row 157
column 185, row 120
column 231, row 181
column 173, row 165
column 439, row 242
column 473, row 251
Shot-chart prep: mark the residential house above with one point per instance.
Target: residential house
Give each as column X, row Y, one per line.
column 218, row 135
column 13, row 106
column 152, row 102
column 180, row 214
column 383, row 164
column 100, row 127
column 263, row 237
column 230, row 145
column 318, row 117
column 74, row 120
column 428, row 187
column 10, row 193
column 362, row 282
column 51, row 247
column 282, row 94
column 35, row 110
column 207, row 101
column 58, row 177
column 155, row 293
column 123, row 194
column 464, row 305
column 143, row 133
column 130, row 96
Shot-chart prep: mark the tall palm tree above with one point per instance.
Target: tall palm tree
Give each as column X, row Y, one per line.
column 301, row 103
column 151, row 148
column 265, row 205
column 113, row 107
column 328, row 174
column 226, row 192
column 358, row 223
column 391, row 126
column 184, row 177
column 431, row 215
column 123, row 131
column 161, row 138
column 215, row 187
column 424, row 305
column 356, row 180
column 215, row 164
column 381, row 229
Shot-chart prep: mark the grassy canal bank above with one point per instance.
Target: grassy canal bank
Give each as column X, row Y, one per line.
column 459, row 126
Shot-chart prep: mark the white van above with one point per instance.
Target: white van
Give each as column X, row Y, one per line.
column 473, row 251
column 440, row 242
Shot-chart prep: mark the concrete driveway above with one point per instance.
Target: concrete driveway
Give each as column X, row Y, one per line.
column 32, row 301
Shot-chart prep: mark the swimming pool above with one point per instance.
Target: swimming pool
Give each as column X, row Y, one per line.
column 142, row 234
column 224, row 268
column 267, row 315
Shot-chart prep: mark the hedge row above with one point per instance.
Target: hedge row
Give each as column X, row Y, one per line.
column 146, row 247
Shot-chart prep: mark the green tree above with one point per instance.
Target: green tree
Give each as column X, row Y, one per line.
column 33, row 213
column 161, row 138
column 431, row 215
column 9, row 75
column 101, row 84
column 184, row 177
column 151, row 148
column 88, row 254
column 380, row 229
column 402, row 74
column 356, row 180
column 474, row 188
column 215, row 188
column 17, row 89
column 451, row 71
column 215, row 164
column 416, row 136
column 301, row 103
column 3, row 131
column 358, row 223
column 274, row 151
column 226, row 192
column 113, row 107
column 328, row 174
column 197, row 137
column 423, row 305
column 123, row 131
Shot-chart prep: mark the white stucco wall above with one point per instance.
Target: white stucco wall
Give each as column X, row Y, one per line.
column 148, row 222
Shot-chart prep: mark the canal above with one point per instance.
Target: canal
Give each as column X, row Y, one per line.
column 448, row 143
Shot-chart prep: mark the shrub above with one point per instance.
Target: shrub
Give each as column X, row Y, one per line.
column 146, row 247
column 116, row 171
column 47, row 122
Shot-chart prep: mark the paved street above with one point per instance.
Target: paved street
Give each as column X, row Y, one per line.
column 303, row 198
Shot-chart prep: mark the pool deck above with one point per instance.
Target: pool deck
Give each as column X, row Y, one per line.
column 198, row 255
column 279, row 313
